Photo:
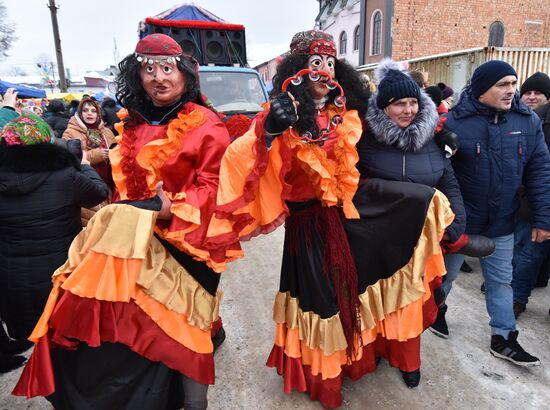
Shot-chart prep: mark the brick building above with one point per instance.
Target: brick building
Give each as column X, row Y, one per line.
column 405, row 29
column 366, row 31
column 342, row 19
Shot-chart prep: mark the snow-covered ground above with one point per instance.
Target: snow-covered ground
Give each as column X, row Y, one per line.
column 457, row 373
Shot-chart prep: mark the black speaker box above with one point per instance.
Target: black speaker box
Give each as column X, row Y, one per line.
column 189, row 39
column 223, row 47
column 208, row 46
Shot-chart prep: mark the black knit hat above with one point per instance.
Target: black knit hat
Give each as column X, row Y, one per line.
column 56, row 106
column 394, row 84
column 435, row 94
column 537, row 82
column 488, row 74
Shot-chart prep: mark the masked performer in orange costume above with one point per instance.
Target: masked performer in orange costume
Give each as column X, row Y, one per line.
column 335, row 315
column 128, row 324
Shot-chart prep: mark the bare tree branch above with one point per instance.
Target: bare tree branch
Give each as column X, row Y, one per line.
column 7, row 32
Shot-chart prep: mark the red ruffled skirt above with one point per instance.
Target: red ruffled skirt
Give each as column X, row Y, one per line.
column 399, row 267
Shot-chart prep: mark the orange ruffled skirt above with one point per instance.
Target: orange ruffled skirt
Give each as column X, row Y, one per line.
column 395, row 246
column 121, row 287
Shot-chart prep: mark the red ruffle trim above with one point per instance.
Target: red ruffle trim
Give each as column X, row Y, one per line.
column 402, row 355
column 92, row 321
column 213, row 25
column 252, row 181
column 136, row 187
column 250, row 189
column 37, row 378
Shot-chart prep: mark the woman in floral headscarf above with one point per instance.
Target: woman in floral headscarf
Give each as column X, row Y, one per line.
column 42, row 187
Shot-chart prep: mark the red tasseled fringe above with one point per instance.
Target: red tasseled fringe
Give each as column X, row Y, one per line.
column 453, row 247
column 237, row 125
column 338, row 263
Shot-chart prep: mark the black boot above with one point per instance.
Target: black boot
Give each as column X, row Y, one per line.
column 466, row 268
column 439, row 327
column 218, row 338
column 411, row 379
column 9, row 362
column 478, row 246
column 519, row 308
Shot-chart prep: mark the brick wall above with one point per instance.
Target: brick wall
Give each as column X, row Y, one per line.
column 426, row 27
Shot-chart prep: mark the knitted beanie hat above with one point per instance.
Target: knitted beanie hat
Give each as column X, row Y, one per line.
column 488, row 74
column 26, row 129
column 537, row 82
column 435, row 94
column 446, row 91
column 394, row 84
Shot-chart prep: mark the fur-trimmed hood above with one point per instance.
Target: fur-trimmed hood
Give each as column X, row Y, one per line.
column 412, row 138
column 24, row 168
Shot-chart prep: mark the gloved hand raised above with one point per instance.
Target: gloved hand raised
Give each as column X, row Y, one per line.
column 282, row 114
column 447, row 141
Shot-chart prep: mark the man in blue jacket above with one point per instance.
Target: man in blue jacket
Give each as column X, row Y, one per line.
column 501, row 147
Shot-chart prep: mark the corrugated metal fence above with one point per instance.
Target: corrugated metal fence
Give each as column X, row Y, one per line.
column 456, row 68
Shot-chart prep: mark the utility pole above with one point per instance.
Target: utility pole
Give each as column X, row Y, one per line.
column 115, row 53
column 58, row 53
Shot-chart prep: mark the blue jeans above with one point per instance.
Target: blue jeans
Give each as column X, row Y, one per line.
column 528, row 258
column 497, row 272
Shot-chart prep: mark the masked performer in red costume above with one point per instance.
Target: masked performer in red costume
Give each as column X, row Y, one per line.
column 128, row 323
column 335, row 314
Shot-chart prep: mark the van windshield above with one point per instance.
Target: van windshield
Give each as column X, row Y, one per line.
column 233, row 92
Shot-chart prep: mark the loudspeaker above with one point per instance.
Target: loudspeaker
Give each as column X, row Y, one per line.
column 189, row 39
column 207, row 46
column 223, row 47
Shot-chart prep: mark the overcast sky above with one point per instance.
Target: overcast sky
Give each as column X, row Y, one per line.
column 88, row 27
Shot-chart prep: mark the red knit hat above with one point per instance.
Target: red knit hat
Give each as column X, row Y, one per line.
column 313, row 42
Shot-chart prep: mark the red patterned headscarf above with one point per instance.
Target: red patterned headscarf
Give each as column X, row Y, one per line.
column 26, row 129
column 313, row 42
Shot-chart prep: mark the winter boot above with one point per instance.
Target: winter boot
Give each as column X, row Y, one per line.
column 511, row 350
column 439, row 327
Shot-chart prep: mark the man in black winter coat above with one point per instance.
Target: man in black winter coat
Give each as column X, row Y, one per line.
column 501, row 148
column 529, row 255
column 42, row 188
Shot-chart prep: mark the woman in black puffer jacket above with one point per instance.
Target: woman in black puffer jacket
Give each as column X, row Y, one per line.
column 398, row 143
column 401, row 163
column 42, row 187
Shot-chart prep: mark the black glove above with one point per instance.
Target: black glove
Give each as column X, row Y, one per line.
column 282, row 114
column 150, row 204
column 447, row 141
